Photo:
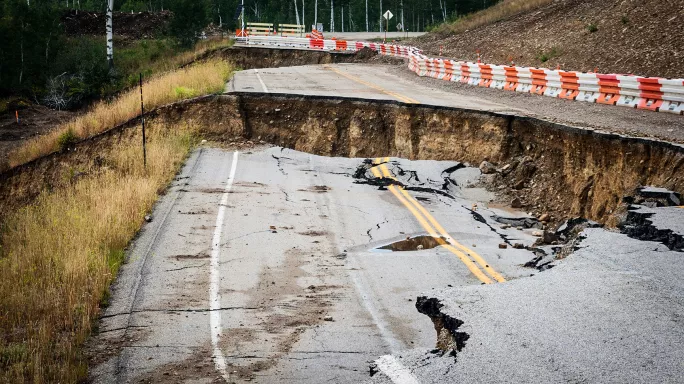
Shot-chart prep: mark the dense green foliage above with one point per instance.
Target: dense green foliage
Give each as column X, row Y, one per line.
column 39, row 61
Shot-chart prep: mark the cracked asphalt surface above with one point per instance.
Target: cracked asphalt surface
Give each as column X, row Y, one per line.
column 306, row 296
column 609, row 313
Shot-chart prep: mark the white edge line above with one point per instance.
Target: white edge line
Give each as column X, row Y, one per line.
column 392, row 368
column 388, row 364
column 214, row 296
column 261, row 81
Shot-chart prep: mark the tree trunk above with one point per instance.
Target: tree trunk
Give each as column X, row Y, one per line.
column 332, row 16
column 403, row 26
column 367, row 29
column 110, row 34
column 380, row 27
column 21, row 48
column 296, row 11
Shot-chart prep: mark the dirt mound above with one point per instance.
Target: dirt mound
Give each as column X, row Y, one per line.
column 642, row 37
column 140, row 25
column 33, row 120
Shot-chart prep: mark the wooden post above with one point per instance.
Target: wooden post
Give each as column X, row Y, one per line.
column 142, row 117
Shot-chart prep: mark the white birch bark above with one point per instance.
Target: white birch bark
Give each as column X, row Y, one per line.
column 403, row 26
column 110, row 34
column 296, row 11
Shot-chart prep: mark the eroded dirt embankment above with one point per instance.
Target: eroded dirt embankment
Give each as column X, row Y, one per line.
column 254, row 57
column 546, row 167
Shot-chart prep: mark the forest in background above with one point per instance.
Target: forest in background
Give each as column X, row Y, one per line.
column 39, row 60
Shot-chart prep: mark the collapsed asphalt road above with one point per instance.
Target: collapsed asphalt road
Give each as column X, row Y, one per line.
column 272, row 266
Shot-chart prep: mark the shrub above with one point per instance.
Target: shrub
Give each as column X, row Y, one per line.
column 67, row 140
column 185, row 93
column 592, row 28
column 624, row 20
column 546, row 56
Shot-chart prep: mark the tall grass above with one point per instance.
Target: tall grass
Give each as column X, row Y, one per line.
column 201, row 78
column 500, row 11
column 58, row 256
column 156, row 56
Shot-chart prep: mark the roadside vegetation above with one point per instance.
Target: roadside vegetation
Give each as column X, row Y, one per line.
column 51, row 58
column 59, row 255
column 497, row 12
column 197, row 79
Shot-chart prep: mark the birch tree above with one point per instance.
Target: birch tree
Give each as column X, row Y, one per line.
column 332, row 16
column 403, row 26
column 296, row 11
column 110, row 36
column 442, row 8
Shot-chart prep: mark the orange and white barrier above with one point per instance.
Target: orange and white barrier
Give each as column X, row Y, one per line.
column 315, row 34
column 648, row 93
column 655, row 94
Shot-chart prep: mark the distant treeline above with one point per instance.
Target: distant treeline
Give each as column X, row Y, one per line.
column 38, row 60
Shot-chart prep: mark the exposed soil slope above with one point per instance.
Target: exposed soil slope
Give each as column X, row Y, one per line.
column 642, row 37
column 139, row 25
column 547, row 167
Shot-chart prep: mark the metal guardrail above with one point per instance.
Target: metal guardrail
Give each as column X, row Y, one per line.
column 291, row 30
column 260, row 29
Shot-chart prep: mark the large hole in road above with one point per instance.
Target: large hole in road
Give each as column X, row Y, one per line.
column 413, row 244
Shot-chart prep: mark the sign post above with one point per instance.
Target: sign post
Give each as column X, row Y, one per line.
column 388, row 15
column 142, row 117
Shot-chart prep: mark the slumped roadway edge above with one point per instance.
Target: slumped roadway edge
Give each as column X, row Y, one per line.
column 385, row 82
column 353, row 80
column 297, row 245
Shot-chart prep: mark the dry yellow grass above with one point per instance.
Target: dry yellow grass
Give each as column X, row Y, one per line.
column 58, row 256
column 198, row 79
column 490, row 15
column 200, row 49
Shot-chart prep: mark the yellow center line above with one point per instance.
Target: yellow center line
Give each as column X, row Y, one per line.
column 411, row 204
column 441, row 229
column 398, row 96
column 468, row 263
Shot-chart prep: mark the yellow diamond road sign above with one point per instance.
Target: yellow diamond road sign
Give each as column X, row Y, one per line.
column 388, row 15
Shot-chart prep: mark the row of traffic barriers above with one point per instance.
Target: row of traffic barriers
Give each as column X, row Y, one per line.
column 325, row 45
column 649, row 93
